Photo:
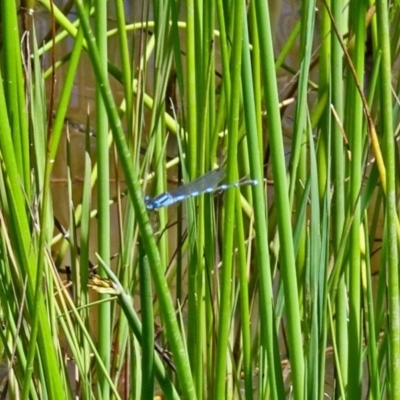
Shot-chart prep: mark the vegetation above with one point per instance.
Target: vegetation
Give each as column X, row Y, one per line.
column 284, row 289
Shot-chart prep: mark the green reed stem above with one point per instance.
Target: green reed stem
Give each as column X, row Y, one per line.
column 267, row 325
column 391, row 202
column 282, row 201
column 226, row 287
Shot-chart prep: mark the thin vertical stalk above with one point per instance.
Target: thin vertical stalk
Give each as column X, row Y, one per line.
column 125, row 63
column 354, row 129
column 315, row 281
column 391, row 212
column 244, row 303
column 191, row 94
column 338, row 178
column 320, row 240
column 298, row 160
column 162, row 77
column 256, row 79
column 82, row 290
column 371, row 338
column 146, row 302
column 103, row 165
column 224, row 43
column 207, row 213
column 226, row 277
column 288, row 263
column 267, row 314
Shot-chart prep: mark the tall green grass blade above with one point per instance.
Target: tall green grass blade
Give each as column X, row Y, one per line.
column 267, row 327
column 353, row 125
column 282, row 201
column 232, row 173
column 391, row 215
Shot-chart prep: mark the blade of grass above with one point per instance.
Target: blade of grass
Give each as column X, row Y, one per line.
column 103, row 217
column 391, row 210
column 354, row 128
column 268, row 333
column 282, row 201
column 147, row 329
column 226, row 277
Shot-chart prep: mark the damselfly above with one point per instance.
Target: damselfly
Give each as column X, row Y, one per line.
column 208, row 183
